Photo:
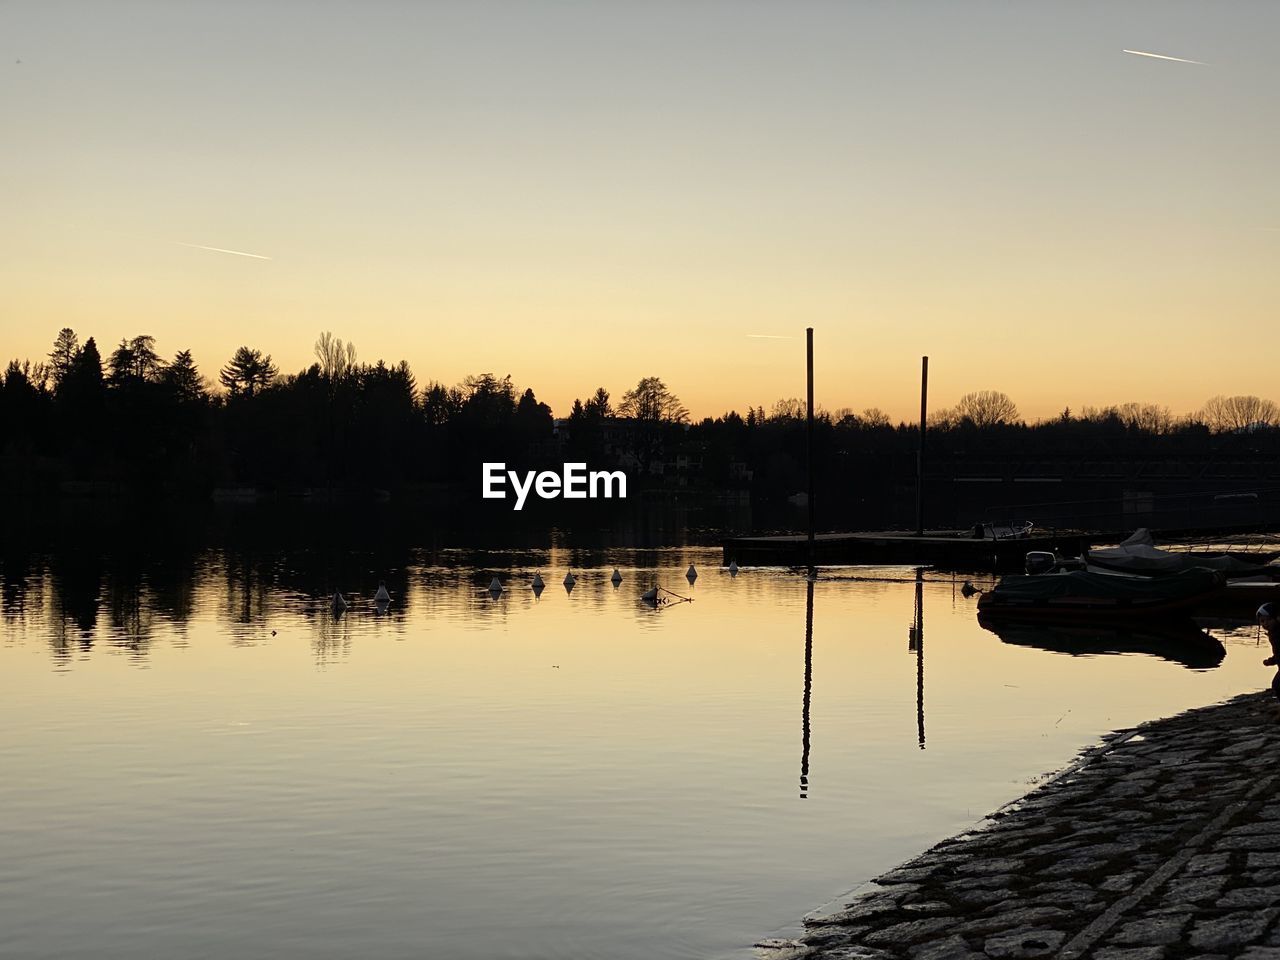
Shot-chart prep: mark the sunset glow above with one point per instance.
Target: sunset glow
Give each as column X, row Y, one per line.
column 583, row 195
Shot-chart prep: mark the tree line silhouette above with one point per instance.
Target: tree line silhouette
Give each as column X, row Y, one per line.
column 133, row 421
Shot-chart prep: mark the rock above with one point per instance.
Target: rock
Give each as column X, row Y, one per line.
column 990, row 866
column 1152, row 931
column 909, row 874
column 1126, row 789
column 855, row 912
column 1206, row 863
column 1250, row 897
column 1025, row 916
column 930, row 906
column 1008, row 919
column 1073, row 900
column 979, row 897
column 999, row 881
column 1129, row 953
column 1193, row 889
column 829, row 936
column 1074, row 867
column 1232, row 931
column 1263, row 827
column 1131, row 816
column 1254, row 842
column 1121, row 882
column 1261, row 953
column 855, row 952
column 892, row 892
column 1252, row 745
column 949, row 948
column 1024, row 944
column 909, row 932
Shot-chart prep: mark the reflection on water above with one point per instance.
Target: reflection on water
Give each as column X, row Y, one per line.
column 917, row 641
column 1179, row 640
column 808, row 687
column 557, row 773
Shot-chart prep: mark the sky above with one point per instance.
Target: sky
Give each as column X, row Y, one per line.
column 583, row 194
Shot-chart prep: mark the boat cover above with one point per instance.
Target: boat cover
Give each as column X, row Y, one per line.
column 1139, row 555
column 1081, row 583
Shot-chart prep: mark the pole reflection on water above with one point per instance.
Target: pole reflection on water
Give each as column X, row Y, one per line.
column 915, row 643
column 808, row 688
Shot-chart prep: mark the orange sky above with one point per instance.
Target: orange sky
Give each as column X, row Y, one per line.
column 582, row 195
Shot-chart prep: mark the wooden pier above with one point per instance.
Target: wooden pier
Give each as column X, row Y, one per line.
column 940, row 548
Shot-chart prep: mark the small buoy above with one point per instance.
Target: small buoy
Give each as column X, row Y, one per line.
column 339, row 602
column 650, row 596
column 537, row 581
column 495, row 586
column 382, row 596
column 617, row 577
column 273, row 633
column 691, row 574
column 733, row 568
column 570, row 579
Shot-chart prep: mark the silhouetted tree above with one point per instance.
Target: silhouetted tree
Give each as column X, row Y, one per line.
column 874, row 417
column 63, row 355
column 534, row 417
column 489, row 402
column 134, row 361
column 248, row 372
column 440, row 404
column 789, row 409
column 987, row 408
column 184, row 379
column 597, row 406
column 337, row 360
column 1221, row 414
column 652, row 401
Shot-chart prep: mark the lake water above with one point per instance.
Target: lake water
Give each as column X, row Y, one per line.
column 199, row 760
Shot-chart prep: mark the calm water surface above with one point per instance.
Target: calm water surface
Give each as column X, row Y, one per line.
column 206, row 763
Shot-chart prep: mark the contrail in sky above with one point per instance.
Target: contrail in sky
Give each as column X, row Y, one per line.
column 766, row 336
column 1161, row 56
column 238, row 253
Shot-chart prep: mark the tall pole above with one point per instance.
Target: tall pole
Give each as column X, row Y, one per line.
column 924, row 401
column 808, row 445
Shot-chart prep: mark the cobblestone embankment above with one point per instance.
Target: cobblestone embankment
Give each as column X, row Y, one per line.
column 1162, row 842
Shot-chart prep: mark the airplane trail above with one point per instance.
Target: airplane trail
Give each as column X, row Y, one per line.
column 1161, row 56
column 767, row 336
column 238, row 253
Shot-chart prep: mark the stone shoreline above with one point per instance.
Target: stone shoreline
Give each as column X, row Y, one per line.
column 1161, row 843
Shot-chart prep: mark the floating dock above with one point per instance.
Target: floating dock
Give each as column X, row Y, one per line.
column 956, row 550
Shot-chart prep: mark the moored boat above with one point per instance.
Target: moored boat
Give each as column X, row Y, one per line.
column 1138, row 556
column 1079, row 594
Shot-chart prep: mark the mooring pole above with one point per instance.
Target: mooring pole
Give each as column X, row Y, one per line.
column 924, row 401
column 808, row 445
